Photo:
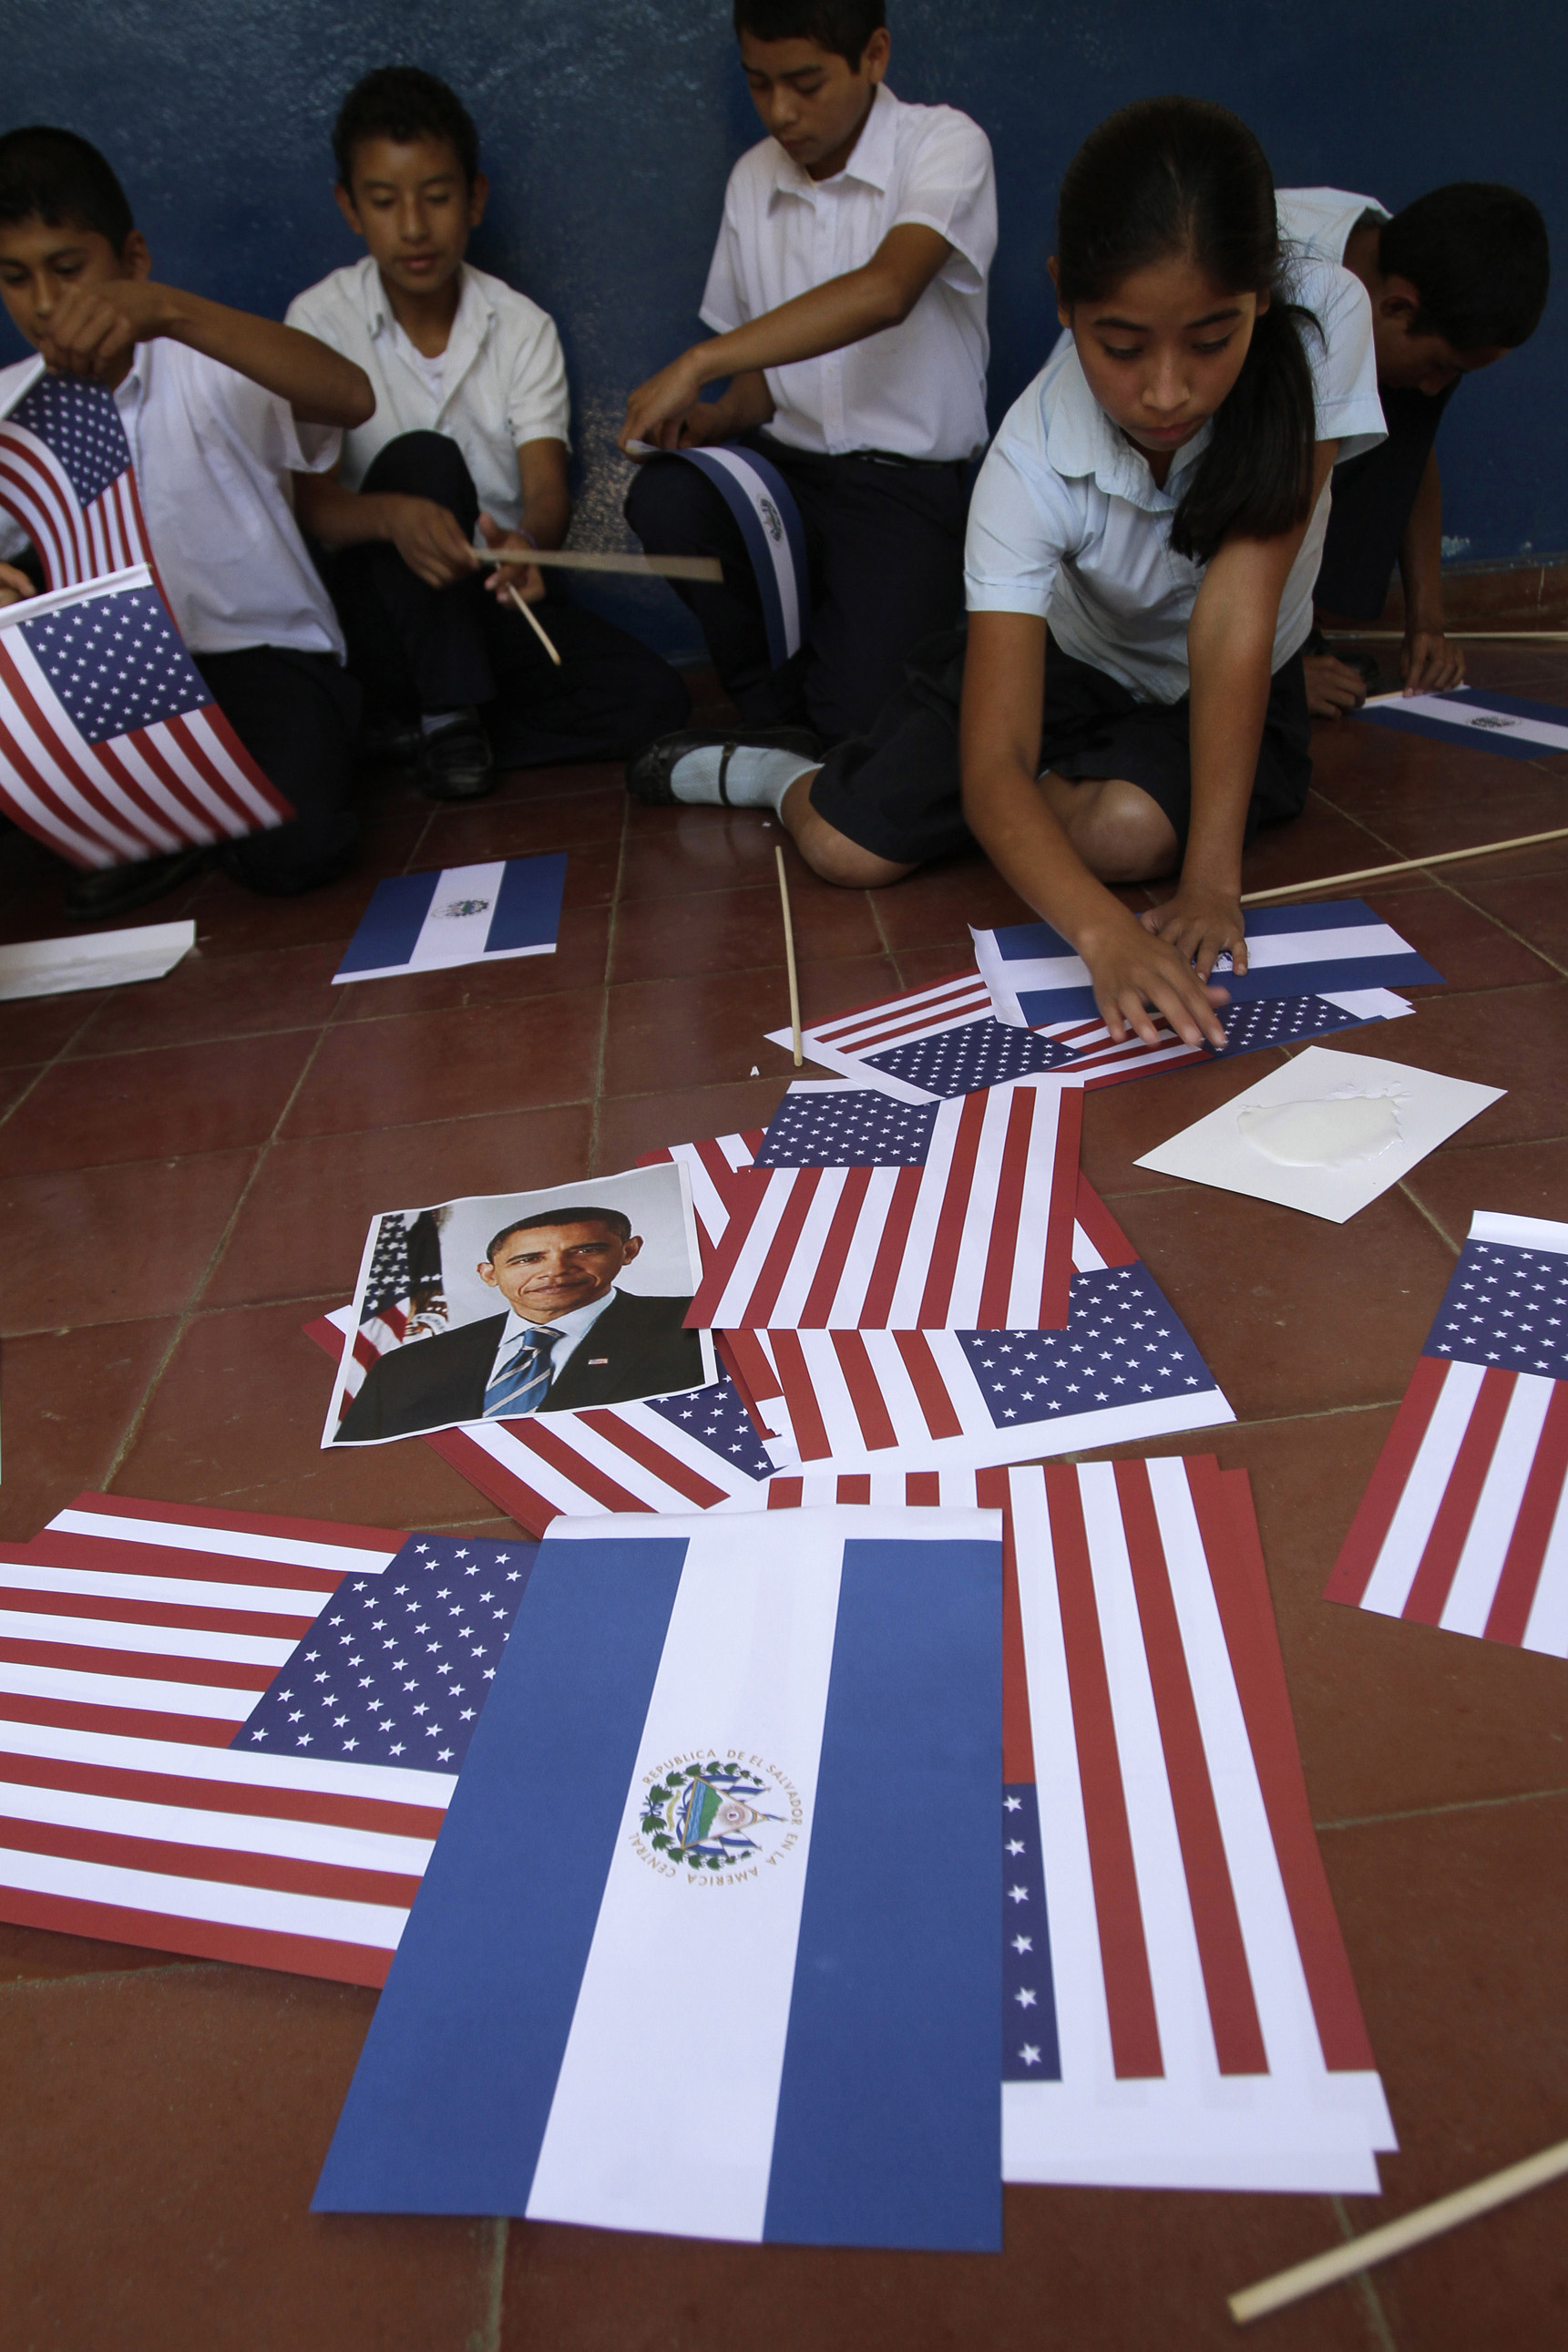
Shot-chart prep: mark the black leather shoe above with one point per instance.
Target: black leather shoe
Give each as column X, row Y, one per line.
column 648, row 775
column 390, row 743
column 116, row 889
column 457, row 762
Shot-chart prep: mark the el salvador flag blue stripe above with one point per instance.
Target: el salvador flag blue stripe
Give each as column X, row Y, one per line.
column 392, row 922
column 528, row 911
column 763, row 505
column 889, row 2123
column 440, row 2118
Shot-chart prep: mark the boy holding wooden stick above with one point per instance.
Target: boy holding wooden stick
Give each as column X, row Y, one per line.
column 470, row 432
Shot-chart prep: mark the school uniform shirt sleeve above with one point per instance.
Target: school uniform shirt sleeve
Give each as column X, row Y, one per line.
column 1025, row 520
column 724, row 304
column 949, row 184
column 539, row 407
column 1341, row 357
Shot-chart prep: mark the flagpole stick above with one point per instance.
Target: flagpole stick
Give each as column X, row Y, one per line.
column 584, row 559
column 790, row 954
column 534, row 623
column 1413, row 2229
column 1402, row 865
column 1454, row 637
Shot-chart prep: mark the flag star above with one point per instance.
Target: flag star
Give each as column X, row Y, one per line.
column 1013, row 1804
column 1023, row 1944
column 1016, row 1845
column 1030, row 2054
column 1018, row 1894
column 1025, row 1996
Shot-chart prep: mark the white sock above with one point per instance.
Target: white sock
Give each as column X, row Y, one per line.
column 753, row 778
column 434, row 720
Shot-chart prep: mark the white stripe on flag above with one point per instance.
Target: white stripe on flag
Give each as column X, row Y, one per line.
column 220, row 1702
column 101, row 1584
column 233, row 1543
column 1546, row 1628
column 745, row 1667
column 777, row 542
column 1474, row 1587
column 1389, row 1584
column 1478, row 719
column 325, row 1842
column 268, row 1910
column 150, row 1640
column 447, row 939
column 56, row 758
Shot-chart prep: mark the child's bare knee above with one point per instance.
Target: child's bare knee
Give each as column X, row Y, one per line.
column 1122, row 836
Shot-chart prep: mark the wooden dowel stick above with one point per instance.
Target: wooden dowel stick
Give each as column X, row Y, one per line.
column 534, row 622
column 1414, row 2230
column 1402, row 865
column 581, row 559
column 1459, row 636
column 790, row 955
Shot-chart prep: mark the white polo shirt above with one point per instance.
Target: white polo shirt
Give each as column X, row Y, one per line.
column 501, row 381
column 917, row 390
column 1066, row 523
column 1318, row 221
column 212, row 454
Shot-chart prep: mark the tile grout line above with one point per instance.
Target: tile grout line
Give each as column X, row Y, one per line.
column 1433, row 1812
column 486, row 2337
column 43, row 1069
column 189, row 1312
column 1365, row 2286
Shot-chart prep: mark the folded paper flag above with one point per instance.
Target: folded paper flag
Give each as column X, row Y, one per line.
column 138, row 1639
column 1488, row 721
column 1179, row 2010
column 458, row 915
column 969, row 1227
column 1463, row 1524
column 111, row 748
column 724, row 1993
column 93, row 960
column 1035, row 978
column 946, row 1041
column 864, row 1401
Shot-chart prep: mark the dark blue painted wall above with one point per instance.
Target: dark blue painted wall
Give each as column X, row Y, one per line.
column 608, row 126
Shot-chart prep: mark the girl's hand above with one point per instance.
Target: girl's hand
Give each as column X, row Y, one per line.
column 14, row 585
column 1132, row 972
column 1201, row 925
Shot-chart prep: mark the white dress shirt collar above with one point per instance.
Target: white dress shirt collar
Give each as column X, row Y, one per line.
column 1082, row 440
column 471, row 323
column 871, row 158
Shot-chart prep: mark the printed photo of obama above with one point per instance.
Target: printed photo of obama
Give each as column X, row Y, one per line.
column 495, row 1307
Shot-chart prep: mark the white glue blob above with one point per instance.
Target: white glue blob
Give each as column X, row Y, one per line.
column 1340, row 1131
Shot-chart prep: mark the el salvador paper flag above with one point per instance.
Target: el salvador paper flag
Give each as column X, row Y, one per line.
column 463, row 914
column 1336, row 944
column 1488, row 721
column 708, row 1943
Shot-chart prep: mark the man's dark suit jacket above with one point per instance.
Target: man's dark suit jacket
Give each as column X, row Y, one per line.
column 435, row 1382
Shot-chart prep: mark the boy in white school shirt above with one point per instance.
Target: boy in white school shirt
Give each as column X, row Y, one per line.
column 470, row 431
column 220, row 409
column 1456, row 279
column 847, row 294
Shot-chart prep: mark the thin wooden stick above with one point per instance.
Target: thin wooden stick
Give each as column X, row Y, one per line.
column 1402, row 865
column 1414, row 2230
column 581, row 559
column 790, row 955
column 534, row 622
column 1459, row 636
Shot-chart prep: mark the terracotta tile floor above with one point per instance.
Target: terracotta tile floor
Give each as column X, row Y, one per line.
column 186, row 1170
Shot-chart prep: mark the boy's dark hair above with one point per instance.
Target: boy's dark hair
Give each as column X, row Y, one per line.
column 1171, row 176
column 1478, row 256
column 842, row 25
column 55, row 176
column 402, row 103
column 612, row 1218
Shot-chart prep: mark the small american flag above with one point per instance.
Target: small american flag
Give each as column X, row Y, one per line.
column 403, row 1296
column 112, row 748
column 66, row 477
column 136, row 1639
column 397, row 1667
column 964, row 1222
column 1179, row 2009
column 1463, row 1524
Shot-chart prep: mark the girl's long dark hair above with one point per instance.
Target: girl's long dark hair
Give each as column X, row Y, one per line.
column 1178, row 176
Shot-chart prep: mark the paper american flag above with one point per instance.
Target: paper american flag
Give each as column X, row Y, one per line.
column 965, row 1224
column 404, row 1286
column 933, row 1044
column 1463, row 1525
column 66, row 477
column 136, row 1639
column 1179, row 2010
column 112, row 748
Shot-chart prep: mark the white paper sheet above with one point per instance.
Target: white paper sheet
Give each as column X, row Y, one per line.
column 1327, row 1133
column 93, row 960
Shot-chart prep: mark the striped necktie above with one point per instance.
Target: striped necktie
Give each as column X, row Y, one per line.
column 521, row 1386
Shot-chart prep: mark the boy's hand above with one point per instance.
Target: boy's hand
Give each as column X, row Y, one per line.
column 92, row 330
column 525, row 579
column 1129, row 973
column 428, row 538
column 659, row 412
column 1428, row 664
column 14, row 585
column 1201, row 924
column 1333, row 687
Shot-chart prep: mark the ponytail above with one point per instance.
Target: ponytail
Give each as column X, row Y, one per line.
column 1179, row 175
